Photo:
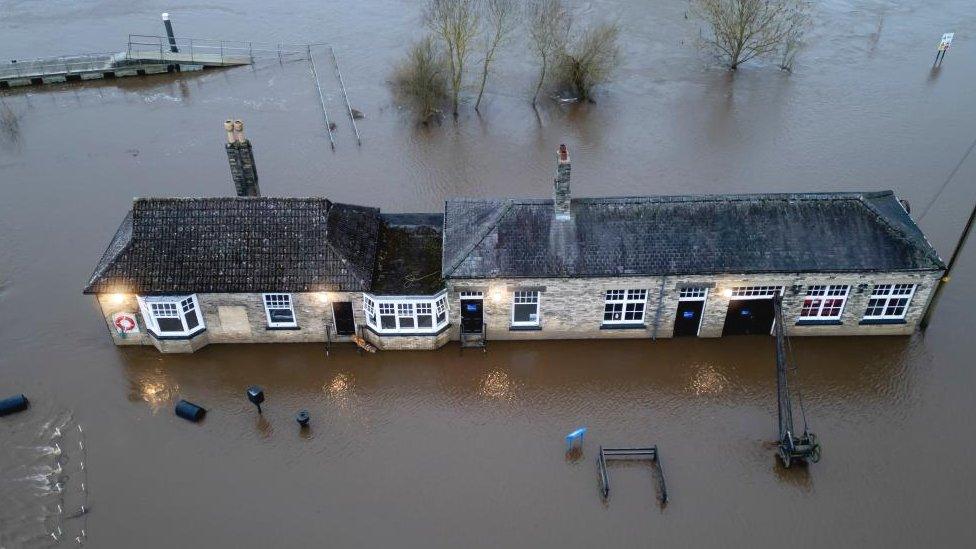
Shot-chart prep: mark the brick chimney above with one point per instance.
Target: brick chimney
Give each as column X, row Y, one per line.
column 560, row 185
column 241, row 160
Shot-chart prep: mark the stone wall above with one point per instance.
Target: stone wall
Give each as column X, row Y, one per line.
column 409, row 342
column 572, row 308
column 237, row 318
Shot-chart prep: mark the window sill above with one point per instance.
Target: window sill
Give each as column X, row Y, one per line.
column 868, row 321
column 276, row 328
column 525, row 328
column 623, row 326
column 819, row 322
column 175, row 336
column 408, row 334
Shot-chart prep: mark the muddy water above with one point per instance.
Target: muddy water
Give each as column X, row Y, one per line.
column 443, row 450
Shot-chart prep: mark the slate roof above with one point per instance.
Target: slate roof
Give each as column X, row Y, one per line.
column 671, row 235
column 409, row 257
column 234, row 244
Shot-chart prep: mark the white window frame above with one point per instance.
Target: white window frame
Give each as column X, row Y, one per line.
column 181, row 306
column 375, row 307
column 824, row 293
column 887, row 293
column 533, row 297
column 467, row 294
column 693, row 293
column 755, row 292
column 624, row 298
column 286, row 301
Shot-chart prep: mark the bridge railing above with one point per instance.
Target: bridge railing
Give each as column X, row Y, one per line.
column 156, row 47
column 67, row 64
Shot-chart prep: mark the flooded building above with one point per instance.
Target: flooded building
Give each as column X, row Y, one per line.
column 184, row 272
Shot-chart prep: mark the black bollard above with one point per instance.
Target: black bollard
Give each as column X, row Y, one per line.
column 302, row 418
column 256, row 395
column 169, row 34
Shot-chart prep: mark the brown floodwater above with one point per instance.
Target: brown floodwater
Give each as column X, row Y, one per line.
column 439, row 449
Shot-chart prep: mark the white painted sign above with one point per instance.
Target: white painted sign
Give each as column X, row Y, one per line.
column 125, row 323
column 946, row 41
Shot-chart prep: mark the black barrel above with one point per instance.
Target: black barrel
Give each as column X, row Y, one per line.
column 302, row 418
column 189, row 411
column 13, row 405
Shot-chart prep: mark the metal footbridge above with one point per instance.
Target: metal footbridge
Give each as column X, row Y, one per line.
column 145, row 54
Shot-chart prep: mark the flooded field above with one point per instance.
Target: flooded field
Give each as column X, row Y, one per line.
column 441, row 449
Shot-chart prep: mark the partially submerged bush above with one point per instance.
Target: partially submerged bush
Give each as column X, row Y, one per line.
column 588, row 61
column 421, row 80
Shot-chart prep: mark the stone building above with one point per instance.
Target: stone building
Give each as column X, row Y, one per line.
column 184, row 272
column 707, row 266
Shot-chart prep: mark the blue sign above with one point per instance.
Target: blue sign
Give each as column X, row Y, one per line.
column 471, row 307
column 745, row 312
column 688, row 314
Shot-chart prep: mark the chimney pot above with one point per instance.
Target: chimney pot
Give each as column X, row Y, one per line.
column 229, row 128
column 239, row 131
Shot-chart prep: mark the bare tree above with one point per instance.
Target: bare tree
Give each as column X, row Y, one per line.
column 745, row 29
column 589, row 60
column 793, row 39
column 549, row 25
column 421, row 80
column 499, row 20
column 455, row 23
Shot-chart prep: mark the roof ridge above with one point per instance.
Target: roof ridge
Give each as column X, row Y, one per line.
column 503, row 209
column 822, row 195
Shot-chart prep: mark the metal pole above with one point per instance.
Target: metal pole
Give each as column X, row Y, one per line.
column 325, row 111
column 169, row 34
column 342, row 86
column 948, row 272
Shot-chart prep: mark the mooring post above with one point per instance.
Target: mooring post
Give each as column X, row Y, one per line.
column 169, row 33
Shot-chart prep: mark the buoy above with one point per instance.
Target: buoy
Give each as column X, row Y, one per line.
column 189, row 411
column 302, row 418
column 13, row 405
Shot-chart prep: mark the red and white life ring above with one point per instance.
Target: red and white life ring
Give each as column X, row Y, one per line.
column 125, row 323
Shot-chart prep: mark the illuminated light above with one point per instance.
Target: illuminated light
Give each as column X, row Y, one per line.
column 118, row 299
column 727, row 292
column 324, row 297
column 497, row 295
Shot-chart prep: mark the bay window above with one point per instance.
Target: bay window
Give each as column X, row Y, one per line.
column 824, row 302
column 171, row 316
column 889, row 302
column 406, row 314
column 525, row 308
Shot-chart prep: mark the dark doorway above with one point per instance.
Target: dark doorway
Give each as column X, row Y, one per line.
column 689, row 318
column 345, row 324
column 472, row 318
column 749, row 316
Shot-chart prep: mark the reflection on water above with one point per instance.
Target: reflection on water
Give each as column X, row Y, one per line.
column 706, row 380
column 496, row 385
column 156, row 389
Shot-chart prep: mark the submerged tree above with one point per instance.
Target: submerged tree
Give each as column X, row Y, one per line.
column 499, row 20
column 589, row 60
column 455, row 23
column 745, row 29
column 421, row 80
column 793, row 40
column 549, row 24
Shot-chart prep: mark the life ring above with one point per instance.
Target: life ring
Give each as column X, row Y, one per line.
column 125, row 323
